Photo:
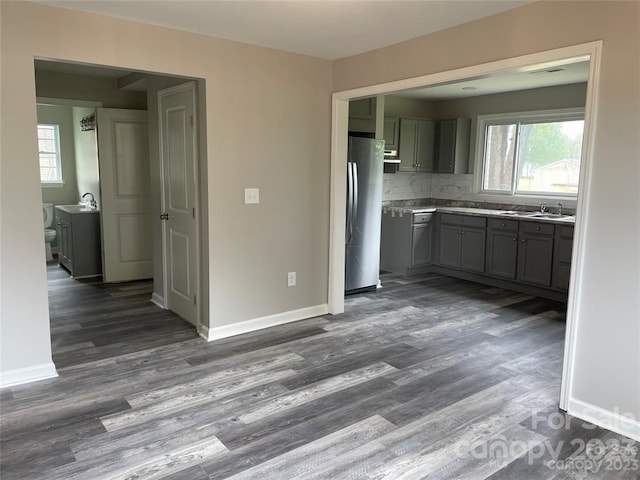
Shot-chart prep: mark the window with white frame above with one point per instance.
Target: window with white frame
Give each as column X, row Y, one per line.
column 530, row 153
column 49, row 153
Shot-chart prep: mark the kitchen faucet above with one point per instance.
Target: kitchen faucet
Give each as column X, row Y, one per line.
column 543, row 207
column 92, row 202
column 559, row 209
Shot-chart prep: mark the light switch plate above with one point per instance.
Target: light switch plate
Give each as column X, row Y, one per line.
column 251, row 195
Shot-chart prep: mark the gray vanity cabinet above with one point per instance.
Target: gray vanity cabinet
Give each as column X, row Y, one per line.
column 79, row 246
column 535, row 253
column 502, row 248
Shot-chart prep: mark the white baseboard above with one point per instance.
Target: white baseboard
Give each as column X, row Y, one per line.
column 158, row 300
column 203, row 331
column 27, row 375
column 252, row 325
column 611, row 420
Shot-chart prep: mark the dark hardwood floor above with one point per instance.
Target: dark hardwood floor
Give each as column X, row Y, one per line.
column 427, row 378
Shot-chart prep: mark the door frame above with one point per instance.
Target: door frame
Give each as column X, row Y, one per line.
column 188, row 86
column 339, row 130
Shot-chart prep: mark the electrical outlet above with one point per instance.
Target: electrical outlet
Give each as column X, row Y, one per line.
column 251, row 195
column 291, row 279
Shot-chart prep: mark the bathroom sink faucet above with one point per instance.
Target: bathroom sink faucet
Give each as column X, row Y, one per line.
column 559, row 209
column 543, row 207
column 92, row 202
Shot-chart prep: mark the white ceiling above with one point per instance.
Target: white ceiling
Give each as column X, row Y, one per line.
column 320, row 28
column 536, row 76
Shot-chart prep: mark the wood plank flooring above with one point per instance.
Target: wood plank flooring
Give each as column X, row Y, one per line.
column 428, row 378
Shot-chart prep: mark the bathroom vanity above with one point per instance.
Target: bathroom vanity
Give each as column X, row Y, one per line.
column 78, row 232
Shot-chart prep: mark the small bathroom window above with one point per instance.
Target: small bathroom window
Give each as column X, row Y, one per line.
column 49, row 153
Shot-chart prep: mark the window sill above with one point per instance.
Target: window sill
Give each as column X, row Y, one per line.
column 52, row 184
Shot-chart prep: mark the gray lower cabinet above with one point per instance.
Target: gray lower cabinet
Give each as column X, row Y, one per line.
column 79, row 243
column 535, row 253
column 502, row 248
column 562, row 257
column 421, row 240
column 406, row 242
column 461, row 242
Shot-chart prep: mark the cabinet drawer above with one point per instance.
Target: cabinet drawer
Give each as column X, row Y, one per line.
column 504, row 225
column 537, row 228
column 422, row 217
column 466, row 220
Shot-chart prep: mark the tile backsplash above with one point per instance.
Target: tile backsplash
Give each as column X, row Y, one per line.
column 406, row 186
column 452, row 187
column 413, row 185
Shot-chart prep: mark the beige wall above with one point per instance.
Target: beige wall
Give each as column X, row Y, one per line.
column 268, row 126
column 607, row 368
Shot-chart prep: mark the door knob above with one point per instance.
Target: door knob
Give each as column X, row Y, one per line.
column 164, row 216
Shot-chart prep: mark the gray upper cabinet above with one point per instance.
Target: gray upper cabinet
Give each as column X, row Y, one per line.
column 416, row 145
column 391, row 133
column 535, row 253
column 452, row 150
column 362, row 115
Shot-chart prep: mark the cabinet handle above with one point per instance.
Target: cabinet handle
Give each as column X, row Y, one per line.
column 524, row 240
column 514, row 239
column 461, row 233
column 537, row 228
column 503, row 224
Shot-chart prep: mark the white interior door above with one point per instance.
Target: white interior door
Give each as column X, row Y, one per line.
column 123, row 157
column 178, row 151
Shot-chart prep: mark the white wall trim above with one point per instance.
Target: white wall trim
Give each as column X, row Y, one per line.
column 28, row 374
column 158, row 300
column 252, row 325
column 616, row 421
column 69, row 102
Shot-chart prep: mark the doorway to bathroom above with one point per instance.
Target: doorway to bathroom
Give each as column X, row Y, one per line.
column 93, row 102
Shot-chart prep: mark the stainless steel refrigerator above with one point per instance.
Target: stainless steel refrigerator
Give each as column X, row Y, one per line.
column 364, row 210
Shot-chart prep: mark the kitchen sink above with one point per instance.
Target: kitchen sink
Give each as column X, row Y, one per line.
column 535, row 214
column 549, row 215
column 76, row 208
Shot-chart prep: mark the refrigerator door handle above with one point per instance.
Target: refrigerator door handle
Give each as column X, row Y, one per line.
column 354, row 210
column 349, row 231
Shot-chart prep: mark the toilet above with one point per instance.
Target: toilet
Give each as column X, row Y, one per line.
column 49, row 233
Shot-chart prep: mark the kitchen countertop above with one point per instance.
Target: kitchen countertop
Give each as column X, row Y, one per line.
column 482, row 212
